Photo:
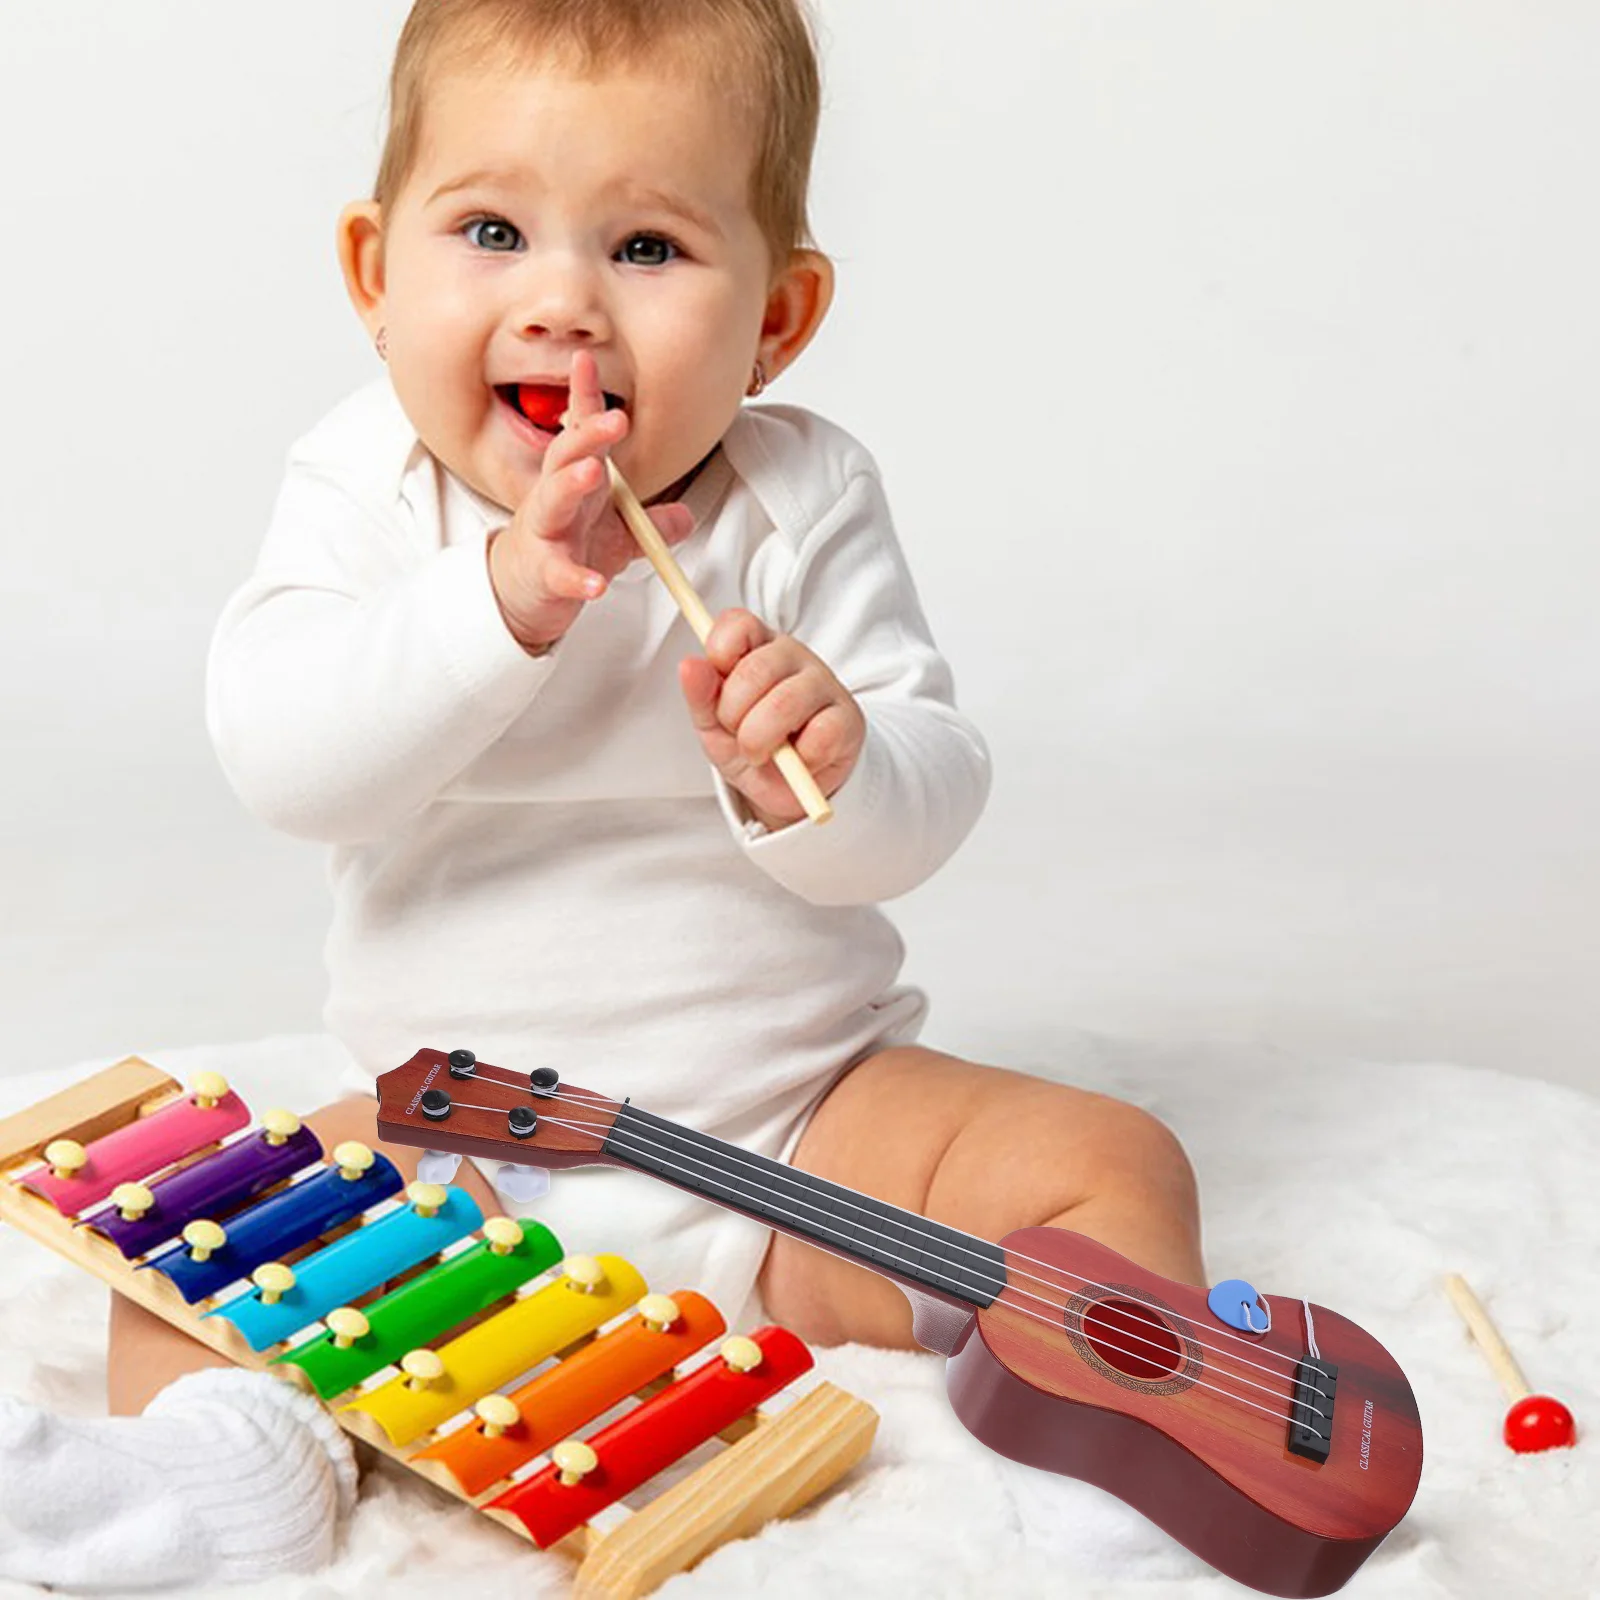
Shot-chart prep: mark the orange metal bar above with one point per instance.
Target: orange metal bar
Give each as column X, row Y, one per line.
column 562, row 1398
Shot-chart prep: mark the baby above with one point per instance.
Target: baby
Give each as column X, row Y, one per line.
column 558, row 834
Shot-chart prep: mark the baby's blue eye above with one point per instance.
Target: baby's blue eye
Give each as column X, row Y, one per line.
column 493, row 233
column 647, row 250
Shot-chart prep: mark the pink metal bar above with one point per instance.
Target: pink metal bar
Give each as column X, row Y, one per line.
column 139, row 1150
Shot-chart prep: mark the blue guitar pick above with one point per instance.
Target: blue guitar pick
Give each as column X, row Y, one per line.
column 1236, row 1303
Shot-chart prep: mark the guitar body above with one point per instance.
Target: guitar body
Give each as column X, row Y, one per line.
column 1281, row 1458
column 1214, row 1473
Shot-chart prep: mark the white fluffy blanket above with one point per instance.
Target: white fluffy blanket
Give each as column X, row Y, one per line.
column 1355, row 1184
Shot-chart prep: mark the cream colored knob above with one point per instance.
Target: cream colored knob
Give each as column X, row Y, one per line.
column 352, row 1159
column 132, row 1200
column 503, row 1235
column 584, row 1273
column 203, row 1238
column 274, row 1280
column 66, row 1156
column 498, row 1413
column 209, row 1088
column 346, row 1324
column 422, row 1368
column 742, row 1354
column 427, row 1198
column 574, row 1460
column 279, row 1126
column 659, row 1311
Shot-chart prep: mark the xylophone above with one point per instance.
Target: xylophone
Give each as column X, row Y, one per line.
column 471, row 1350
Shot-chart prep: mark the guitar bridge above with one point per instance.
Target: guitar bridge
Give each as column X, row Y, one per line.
column 1311, row 1409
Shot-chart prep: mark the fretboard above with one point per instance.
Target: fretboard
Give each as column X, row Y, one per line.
column 877, row 1235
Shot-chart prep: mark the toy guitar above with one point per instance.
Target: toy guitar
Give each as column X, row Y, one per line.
column 1282, row 1458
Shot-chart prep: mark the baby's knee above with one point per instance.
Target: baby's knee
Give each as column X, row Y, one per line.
column 1127, row 1147
column 1154, row 1156
column 352, row 1116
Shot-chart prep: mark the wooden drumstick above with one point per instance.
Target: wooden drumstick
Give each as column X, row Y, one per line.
column 1495, row 1350
column 787, row 760
column 1535, row 1421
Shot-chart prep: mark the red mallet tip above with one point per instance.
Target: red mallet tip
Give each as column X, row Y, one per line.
column 543, row 404
column 1538, row 1422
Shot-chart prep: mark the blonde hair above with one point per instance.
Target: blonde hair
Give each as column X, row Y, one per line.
column 758, row 52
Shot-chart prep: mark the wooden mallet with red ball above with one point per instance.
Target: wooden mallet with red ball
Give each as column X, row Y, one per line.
column 1535, row 1421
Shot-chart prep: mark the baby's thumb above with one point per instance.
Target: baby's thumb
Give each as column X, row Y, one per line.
column 674, row 521
column 701, row 684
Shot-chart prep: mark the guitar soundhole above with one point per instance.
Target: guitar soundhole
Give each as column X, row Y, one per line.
column 1132, row 1338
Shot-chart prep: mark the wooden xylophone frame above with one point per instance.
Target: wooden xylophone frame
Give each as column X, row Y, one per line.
column 772, row 1465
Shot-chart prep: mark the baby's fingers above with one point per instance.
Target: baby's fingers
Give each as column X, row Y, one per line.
column 734, row 634
column 585, row 397
column 702, row 685
column 552, row 510
column 674, row 522
column 586, row 438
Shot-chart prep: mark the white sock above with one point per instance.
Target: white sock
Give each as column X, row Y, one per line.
column 228, row 1475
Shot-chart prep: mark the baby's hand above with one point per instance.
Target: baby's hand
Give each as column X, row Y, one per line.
column 752, row 690
column 567, row 541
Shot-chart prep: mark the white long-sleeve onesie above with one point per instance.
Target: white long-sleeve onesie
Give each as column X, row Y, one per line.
column 532, row 857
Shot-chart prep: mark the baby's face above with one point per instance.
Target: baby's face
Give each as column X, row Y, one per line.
column 547, row 214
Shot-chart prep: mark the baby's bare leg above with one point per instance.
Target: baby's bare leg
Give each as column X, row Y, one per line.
column 985, row 1151
column 147, row 1353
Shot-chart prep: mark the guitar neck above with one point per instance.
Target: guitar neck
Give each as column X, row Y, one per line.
column 927, row 1256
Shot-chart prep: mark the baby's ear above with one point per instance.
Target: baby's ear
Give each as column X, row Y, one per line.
column 360, row 246
column 796, row 304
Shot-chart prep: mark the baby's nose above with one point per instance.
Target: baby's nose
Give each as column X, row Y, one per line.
column 561, row 299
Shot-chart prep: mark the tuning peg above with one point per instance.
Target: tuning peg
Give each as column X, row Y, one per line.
column 427, row 1198
column 132, row 1200
column 521, row 1183
column 437, row 1166
column 209, row 1088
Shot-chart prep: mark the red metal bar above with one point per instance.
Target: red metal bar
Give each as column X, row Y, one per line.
column 634, row 1448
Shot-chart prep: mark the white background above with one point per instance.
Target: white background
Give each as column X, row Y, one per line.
column 1233, row 371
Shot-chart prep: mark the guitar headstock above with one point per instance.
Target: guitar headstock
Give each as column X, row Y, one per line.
column 456, row 1102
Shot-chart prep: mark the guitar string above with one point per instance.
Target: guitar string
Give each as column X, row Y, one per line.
column 1050, row 1321
column 943, row 1245
column 1292, row 1377
column 1098, row 1339
column 1064, row 1310
column 602, row 1102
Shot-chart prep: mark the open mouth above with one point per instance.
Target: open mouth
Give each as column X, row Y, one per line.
column 545, row 404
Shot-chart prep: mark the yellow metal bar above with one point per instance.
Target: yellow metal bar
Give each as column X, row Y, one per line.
column 490, row 1355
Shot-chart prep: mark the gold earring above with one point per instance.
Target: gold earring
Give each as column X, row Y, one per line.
column 382, row 344
column 758, row 379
